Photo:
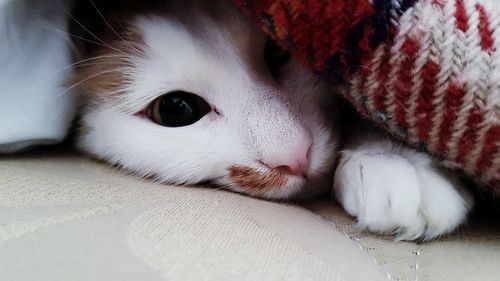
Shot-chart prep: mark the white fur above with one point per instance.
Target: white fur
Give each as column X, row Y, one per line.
column 388, row 187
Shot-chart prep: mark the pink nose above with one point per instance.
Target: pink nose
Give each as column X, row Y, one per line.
column 295, row 159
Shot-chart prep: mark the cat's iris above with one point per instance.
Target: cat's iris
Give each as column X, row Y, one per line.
column 178, row 109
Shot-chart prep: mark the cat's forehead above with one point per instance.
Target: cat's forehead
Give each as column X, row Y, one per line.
column 200, row 54
column 201, row 33
column 216, row 55
column 213, row 62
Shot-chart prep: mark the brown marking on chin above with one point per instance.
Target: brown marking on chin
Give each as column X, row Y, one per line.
column 255, row 180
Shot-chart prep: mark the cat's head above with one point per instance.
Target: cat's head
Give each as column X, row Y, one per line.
column 192, row 93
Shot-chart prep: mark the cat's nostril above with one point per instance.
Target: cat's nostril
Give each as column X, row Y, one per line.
column 300, row 169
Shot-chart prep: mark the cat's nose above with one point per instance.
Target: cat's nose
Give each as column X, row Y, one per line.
column 292, row 159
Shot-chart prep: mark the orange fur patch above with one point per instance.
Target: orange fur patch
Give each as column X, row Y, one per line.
column 255, row 180
column 107, row 71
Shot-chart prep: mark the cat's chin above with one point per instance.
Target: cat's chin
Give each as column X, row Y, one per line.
column 293, row 187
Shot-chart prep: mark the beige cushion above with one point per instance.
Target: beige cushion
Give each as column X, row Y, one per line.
column 64, row 217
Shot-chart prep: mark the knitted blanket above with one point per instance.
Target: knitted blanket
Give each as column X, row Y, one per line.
column 428, row 70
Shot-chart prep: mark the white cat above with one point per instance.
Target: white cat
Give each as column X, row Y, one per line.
column 191, row 91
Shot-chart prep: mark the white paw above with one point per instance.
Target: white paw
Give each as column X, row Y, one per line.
column 404, row 194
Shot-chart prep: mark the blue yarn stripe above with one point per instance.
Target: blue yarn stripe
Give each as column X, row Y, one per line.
column 381, row 19
column 407, row 4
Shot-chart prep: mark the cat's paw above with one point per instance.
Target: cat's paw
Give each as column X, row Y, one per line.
column 403, row 195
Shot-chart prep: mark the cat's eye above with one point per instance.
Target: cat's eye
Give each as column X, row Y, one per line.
column 178, row 109
column 275, row 56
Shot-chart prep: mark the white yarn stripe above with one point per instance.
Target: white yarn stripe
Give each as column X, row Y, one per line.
column 422, row 22
column 484, row 126
column 396, row 4
column 403, row 24
column 491, row 97
column 444, row 44
column 477, row 76
column 373, row 80
column 355, row 91
column 463, row 58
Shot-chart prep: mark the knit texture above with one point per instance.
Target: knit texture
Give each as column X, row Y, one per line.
column 428, row 70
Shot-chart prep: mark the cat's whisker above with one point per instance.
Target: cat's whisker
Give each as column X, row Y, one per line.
column 93, row 64
column 69, row 34
column 121, row 90
column 87, row 79
column 225, row 187
column 87, row 30
column 83, row 62
column 123, row 54
column 114, row 30
column 98, row 58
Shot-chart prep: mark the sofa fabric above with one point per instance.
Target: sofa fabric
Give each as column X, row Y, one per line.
column 65, row 217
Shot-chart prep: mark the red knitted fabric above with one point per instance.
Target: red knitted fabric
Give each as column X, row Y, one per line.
column 428, row 70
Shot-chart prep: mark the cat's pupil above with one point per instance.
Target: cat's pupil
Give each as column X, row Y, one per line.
column 178, row 109
column 275, row 56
